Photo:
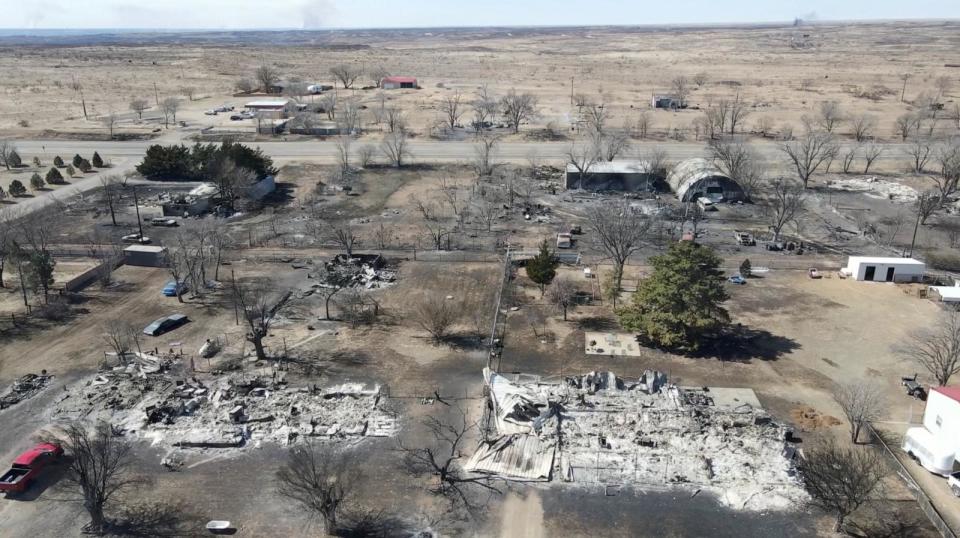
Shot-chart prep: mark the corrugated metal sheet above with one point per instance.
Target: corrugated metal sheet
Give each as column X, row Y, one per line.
column 517, row 456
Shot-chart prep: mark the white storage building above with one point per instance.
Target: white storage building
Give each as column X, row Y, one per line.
column 936, row 443
column 878, row 269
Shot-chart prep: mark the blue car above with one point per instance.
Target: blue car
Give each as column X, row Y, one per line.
column 170, row 289
column 165, row 324
column 737, row 279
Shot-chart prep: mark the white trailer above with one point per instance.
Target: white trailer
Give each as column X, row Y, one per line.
column 878, row 269
column 936, row 443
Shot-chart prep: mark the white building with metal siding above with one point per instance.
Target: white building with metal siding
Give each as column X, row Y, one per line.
column 879, row 269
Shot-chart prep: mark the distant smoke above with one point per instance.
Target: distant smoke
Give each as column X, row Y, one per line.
column 317, row 13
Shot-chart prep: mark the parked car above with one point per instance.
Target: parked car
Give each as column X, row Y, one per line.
column 28, row 465
column 210, row 112
column 913, row 387
column 165, row 324
column 164, row 221
column 237, row 117
column 136, row 238
column 737, row 279
column 814, row 273
column 223, row 108
column 172, row 289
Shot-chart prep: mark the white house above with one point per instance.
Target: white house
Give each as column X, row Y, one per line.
column 936, row 443
column 880, row 269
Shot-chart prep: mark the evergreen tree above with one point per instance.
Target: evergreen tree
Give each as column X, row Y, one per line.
column 84, row 166
column 70, row 171
column 58, row 162
column 17, row 189
column 97, row 161
column 76, row 161
column 40, row 276
column 543, row 267
column 3, row 194
column 680, row 304
column 14, row 160
column 54, row 177
column 745, row 268
column 36, row 182
column 36, row 162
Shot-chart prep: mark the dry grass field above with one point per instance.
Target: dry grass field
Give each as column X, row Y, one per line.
column 783, row 73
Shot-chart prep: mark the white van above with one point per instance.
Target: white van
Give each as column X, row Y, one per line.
column 706, row 204
column 933, row 454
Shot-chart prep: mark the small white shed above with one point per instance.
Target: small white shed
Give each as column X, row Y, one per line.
column 947, row 294
column 878, row 269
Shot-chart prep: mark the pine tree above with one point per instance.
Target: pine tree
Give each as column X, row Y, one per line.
column 97, row 161
column 76, row 161
column 745, row 268
column 17, row 189
column 36, row 162
column 70, row 171
column 680, row 304
column 14, row 160
column 36, row 182
column 58, row 162
column 84, row 166
column 54, row 177
column 543, row 267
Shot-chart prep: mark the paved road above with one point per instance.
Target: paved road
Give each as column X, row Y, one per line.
column 423, row 150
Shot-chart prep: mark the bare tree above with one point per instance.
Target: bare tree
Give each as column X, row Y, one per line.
column 76, row 86
column 138, row 106
column 99, row 465
column 809, row 153
column 320, row 480
column 643, row 124
column 862, row 126
column 919, row 152
column 487, row 207
column 518, row 108
column 658, row 159
column 452, row 109
column 700, row 79
column 170, row 106
column 8, row 151
column 377, row 74
column 485, row 154
column 329, row 102
column 848, row 157
column 267, row 76
column 733, row 157
column 841, row 479
column 441, row 458
column 862, row 403
column 737, row 110
column 112, row 193
column 485, row 107
column 906, row 124
column 619, row 231
column 333, row 280
column 680, row 87
column 783, row 202
column 436, row 314
column 395, row 147
column 562, row 293
column 244, row 85
column 596, row 117
column 396, row 119
column 189, row 91
column 256, row 308
column 611, row 143
column 903, row 91
column 943, row 84
column 871, row 152
column 343, row 143
column 936, row 349
column 582, row 155
column 117, row 335
column 346, row 74
column 344, row 235
column 348, row 121
column 830, row 115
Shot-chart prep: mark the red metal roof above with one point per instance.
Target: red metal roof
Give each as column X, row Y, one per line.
column 950, row 392
column 400, row 80
column 27, row 458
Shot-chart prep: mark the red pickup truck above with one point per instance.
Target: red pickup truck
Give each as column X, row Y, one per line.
column 26, row 467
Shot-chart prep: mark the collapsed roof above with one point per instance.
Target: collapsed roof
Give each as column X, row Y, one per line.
column 695, row 178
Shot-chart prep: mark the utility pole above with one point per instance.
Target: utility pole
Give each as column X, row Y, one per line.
column 920, row 201
column 571, row 91
column 23, row 285
column 156, row 94
column 136, row 204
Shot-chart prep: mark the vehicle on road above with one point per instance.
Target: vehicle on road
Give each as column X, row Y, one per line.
column 913, row 387
column 164, row 221
column 172, row 289
column 223, row 108
column 210, row 112
column 136, row 238
column 165, row 324
column 737, row 279
column 28, row 465
column 814, row 273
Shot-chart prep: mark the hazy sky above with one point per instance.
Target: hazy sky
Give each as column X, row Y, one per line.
column 426, row 13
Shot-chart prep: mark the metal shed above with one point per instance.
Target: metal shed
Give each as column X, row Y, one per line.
column 627, row 176
column 145, row 256
column 696, row 178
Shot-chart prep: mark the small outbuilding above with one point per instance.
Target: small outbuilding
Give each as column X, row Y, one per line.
column 145, row 256
column 397, row 83
column 271, row 108
column 693, row 179
column 669, row 102
column 946, row 294
column 626, row 176
column 879, row 269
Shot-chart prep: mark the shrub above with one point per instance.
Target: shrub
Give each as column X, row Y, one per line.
column 36, row 162
column 14, row 160
column 36, row 182
column 84, row 166
column 70, row 171
column 76, row 161
column 944, row 261
column 54, row 177
column 746, row 269
column 97, row 161
column 17, row 188
column 58, row 162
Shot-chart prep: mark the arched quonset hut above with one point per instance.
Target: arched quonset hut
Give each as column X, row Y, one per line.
column 695, row 178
